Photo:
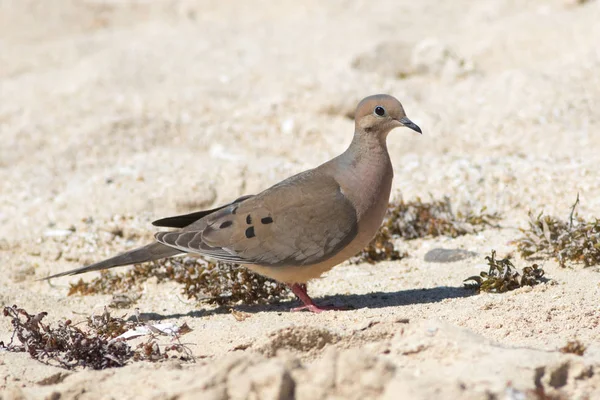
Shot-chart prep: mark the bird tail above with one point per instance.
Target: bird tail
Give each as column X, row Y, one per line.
column 149, row 252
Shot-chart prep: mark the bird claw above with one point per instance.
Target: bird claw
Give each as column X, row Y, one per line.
column 299, row 290
column 318, row 309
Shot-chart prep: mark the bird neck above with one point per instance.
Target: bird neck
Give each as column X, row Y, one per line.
column 365, row 174
column 366, row 147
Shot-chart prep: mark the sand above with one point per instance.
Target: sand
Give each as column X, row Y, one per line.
column 113, row 114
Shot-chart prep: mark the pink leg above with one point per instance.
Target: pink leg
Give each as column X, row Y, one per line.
column 299, row 290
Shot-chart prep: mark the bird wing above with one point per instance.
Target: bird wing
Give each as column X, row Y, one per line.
column 181, row 221
column 300, row 221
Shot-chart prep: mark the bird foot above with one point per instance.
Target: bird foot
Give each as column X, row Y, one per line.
column 317, row 309
column 299, row 290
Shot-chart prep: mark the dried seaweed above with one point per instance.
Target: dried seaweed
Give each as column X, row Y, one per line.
column 418, row 219
column 95, row 347
column 502, row 276
column 575, row 240
column 381, row 248
column 214, row 282
column 574, row 347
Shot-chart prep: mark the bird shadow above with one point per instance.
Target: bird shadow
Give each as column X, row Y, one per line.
column 372, row 300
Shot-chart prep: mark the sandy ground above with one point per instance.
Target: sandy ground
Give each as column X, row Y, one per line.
column 118, row 113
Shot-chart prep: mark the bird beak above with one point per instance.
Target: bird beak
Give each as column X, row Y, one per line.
column 409, row 124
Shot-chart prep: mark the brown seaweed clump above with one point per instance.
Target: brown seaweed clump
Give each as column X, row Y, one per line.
column 214, row 282
column 574, row 347
column 95, row 346
column 502, row 276
column 381, row 248
column 418, row 219
column 575, row 240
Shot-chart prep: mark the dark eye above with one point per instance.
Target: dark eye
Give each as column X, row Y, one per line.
column 380, row 111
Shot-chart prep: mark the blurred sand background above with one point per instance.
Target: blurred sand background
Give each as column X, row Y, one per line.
column 116, row 113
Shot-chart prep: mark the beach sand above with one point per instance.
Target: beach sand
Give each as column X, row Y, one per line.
column 114, row 114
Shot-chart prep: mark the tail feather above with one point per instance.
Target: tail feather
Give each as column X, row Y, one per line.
column 149, row 252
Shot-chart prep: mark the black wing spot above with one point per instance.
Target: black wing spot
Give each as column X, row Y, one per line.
column 266, row 220
column 234, row 210
column 249, row 219
column 250, row 232
column 225, row 224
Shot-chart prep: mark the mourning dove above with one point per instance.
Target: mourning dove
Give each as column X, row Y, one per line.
column 301, row 227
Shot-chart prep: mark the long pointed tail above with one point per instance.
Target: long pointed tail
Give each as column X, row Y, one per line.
column 149, row 252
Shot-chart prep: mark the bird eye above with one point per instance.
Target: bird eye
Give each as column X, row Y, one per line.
column 380, row 111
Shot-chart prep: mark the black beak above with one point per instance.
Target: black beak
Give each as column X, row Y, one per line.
column 409, row 124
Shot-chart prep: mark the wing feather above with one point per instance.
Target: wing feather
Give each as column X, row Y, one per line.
column 301, row 221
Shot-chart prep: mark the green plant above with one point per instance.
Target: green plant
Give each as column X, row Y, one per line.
column 575, row 240
column 502, row 276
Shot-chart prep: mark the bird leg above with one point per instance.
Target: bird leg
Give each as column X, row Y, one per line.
column 299, row 290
